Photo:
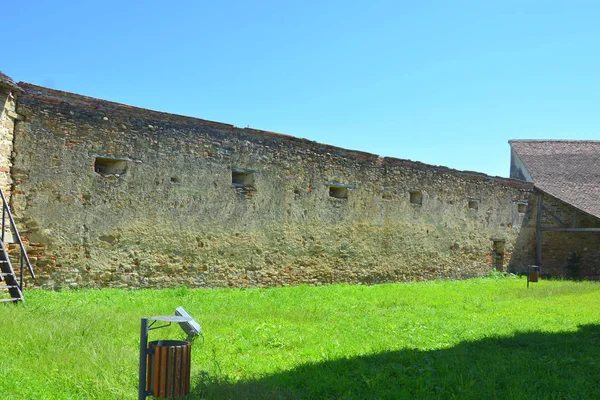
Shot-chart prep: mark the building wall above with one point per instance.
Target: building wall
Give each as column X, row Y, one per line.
column 7, row 124
column 564, row 254
column 569, row 254
column 173, row 216
column 524, row 247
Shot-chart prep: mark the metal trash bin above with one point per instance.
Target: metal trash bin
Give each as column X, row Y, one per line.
column 165, row 364
column 534, row 273
column 168, row 374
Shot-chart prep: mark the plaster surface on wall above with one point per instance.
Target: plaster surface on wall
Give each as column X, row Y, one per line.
column 7, row 113
column 518, row 170
column 175, row 217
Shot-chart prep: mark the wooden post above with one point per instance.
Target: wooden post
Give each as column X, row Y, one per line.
column 538, row 233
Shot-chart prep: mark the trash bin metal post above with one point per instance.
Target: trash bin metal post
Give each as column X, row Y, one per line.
column 142, row 394
column 164, row 368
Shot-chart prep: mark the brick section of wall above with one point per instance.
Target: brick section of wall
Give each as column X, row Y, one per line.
column 173, row 217
column 569, row 254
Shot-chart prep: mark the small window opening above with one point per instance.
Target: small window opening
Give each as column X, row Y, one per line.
column 474, row 204
column 521, row 207
column 416, row 197
column 109, row 166
column 338, row 192
column 175, row 179
column 242, row 178
column 243, row 182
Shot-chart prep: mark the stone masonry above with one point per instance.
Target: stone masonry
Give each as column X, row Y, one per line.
column 110, row 195
column 7, row 124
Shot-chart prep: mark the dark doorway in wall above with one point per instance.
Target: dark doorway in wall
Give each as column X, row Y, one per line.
column 498, row 254
column 110, row 166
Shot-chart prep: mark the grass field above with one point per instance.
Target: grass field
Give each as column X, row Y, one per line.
column 476, row 339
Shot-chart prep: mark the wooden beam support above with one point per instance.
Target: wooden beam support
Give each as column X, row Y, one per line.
column 538, row 233
column 550, row 213
column 549, row 229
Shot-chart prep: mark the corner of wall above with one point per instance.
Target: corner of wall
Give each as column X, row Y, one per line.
column 8, row 116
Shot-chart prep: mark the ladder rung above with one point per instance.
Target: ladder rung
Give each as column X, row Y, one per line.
column 7, row 300
column 8, row 286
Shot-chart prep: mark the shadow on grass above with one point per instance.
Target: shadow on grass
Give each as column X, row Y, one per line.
column 532, row 365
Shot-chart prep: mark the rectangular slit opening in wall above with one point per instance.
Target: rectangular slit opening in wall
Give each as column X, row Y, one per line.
column 498, row 254
column 242, row 178
column 473, row 204
column 338, row 192
column 522, row 208
column 110, row 166
column 416, row 197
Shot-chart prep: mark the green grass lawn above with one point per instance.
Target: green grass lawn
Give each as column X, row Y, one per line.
column 476, row 339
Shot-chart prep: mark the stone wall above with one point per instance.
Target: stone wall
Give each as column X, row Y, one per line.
column 7, row 124
column 112, row 195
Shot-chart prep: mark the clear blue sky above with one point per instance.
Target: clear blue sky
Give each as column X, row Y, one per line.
column 443, row 82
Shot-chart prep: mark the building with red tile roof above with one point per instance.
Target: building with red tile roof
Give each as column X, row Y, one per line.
column 566, row 177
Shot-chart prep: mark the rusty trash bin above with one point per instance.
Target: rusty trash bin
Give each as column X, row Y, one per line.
column 168, row 373
column 534, row 273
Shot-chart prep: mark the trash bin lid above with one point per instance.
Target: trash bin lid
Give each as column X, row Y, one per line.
column 171, row 318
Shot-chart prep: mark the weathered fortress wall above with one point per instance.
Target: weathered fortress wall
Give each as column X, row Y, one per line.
column 120, row 196
column 7, row 125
